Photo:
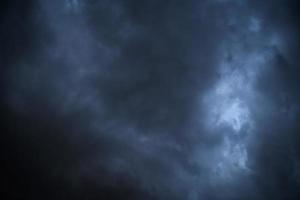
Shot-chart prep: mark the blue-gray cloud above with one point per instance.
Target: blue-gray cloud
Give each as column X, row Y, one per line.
column 150, row 99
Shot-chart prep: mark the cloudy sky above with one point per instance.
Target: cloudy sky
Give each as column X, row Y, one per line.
column 150, row 100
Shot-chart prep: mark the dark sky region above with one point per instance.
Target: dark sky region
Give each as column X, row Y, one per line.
column 150, row 100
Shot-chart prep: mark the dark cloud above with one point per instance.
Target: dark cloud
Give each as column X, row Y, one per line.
column 150, row 99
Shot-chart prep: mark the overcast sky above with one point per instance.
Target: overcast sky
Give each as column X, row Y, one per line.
column 150, row 100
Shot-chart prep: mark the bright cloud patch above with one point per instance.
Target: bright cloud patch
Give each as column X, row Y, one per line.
column 235, row 115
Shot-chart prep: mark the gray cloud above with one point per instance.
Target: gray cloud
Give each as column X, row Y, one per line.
column 151, row 99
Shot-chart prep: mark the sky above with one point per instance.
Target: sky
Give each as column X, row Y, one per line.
column 150, row 100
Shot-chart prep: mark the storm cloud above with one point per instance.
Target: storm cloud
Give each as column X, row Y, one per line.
column 150, row 99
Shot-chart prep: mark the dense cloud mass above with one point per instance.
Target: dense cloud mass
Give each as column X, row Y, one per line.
column 143, row 100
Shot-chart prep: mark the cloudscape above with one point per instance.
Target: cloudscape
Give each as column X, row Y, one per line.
column 150, row 100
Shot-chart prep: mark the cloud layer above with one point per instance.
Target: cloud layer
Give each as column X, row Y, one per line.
column 150, row 99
